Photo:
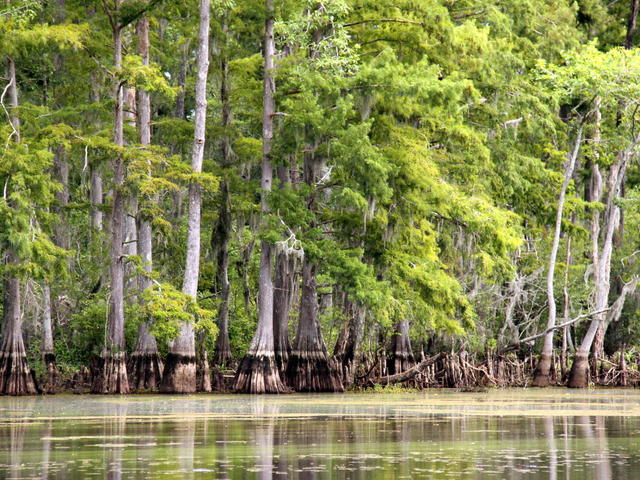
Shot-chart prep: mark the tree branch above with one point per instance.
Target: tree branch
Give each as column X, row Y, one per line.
column 517, row 344
column 384, row 20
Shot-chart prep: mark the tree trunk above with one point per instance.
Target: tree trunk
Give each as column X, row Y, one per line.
column 258, row 372
column 178, row 195
column 13, row 100
column 283, row 293
column 400, row 356
column 61, row 171
column 578, row 377
column 283, row 286
column 95, row 198
column 145, row 365
column 130, row 246
column 222, row 354
column 347, row 350
column 631, row 24
column 49, row 385
column 222, row 232
column 566, row 312
column 310, row 369
column 541, row 374
column 111, row 374
column 15, row 375
column 61, row 238
column 204, row 378
column 180, row 367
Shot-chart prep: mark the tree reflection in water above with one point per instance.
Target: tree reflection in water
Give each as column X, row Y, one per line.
column 297, row 437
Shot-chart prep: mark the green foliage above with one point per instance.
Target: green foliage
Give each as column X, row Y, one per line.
column 439, row 130
column 166, row 308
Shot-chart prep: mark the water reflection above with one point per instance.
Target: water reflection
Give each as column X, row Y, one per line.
column 310, row 437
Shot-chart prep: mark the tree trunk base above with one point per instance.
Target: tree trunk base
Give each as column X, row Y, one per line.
column 15, row 375
column 50, row 383
column 110, row 374
column 313, row 372
column 258, row 374
column 179, row 374
column 282, row 360
column 145, row 371
column 346, row 368
column 222, row 358
column 204, row 374
column 400, row 362
column 541, row 377
column 579, row 375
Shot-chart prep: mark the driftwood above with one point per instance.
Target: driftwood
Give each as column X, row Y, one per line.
column 408, row 374
column 516, row 345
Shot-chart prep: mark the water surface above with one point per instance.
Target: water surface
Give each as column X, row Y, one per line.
column 502, row 434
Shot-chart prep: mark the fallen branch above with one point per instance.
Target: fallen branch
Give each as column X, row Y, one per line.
column 408, row 374
column 517, row 344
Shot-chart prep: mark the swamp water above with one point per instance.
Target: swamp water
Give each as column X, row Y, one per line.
column 502, row 434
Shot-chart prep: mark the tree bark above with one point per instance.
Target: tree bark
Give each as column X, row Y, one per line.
column 95, row 198
column 49, row 383
column 282, row 295
column 144, row 366
column 631, row 24
column 601, row 256
column 541, row 375
column 180, row 368
column 111, row 374
column 13, row 99
column 15, row 376
column 400, row 356
column 222, row 231
column 346, row 351
column 258, row 372
column 310, row 369
column 61, row 171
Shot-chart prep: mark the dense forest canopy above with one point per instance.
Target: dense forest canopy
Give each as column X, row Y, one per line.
column 310, row 195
